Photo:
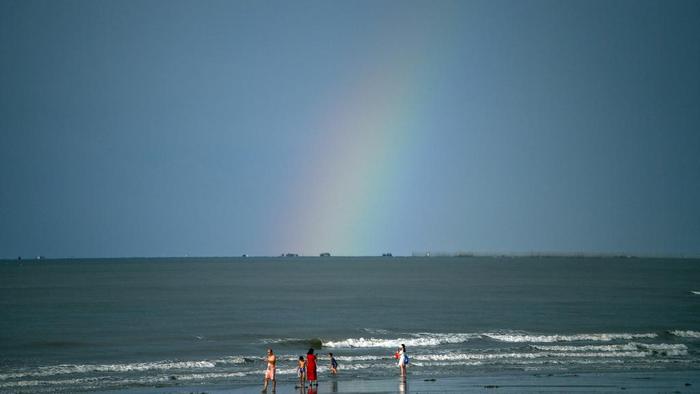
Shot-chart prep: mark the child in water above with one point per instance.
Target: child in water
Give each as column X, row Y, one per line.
column 301, row 372
column 334, row 364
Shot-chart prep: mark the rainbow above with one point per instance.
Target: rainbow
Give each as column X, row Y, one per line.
column 349, row 201
column 351, row 186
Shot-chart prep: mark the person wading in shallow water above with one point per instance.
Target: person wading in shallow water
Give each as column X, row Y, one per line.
column 271, row 370
column 301, row 372
column 334, row 364
column 403, row 359
column 311, row 368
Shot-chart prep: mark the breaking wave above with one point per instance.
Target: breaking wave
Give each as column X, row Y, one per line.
column 603, row 337
column 500, row 356
column 632, row 346
column 437, row 339
column 411, row 340
column 104, row 381
column 65, row 369
column 686, row 334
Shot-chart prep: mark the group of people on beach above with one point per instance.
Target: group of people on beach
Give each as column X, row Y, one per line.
column 306, row 368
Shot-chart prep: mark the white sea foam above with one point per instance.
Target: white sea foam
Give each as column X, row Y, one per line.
column 170, row 367
column 532, row 355
column 437, row 339
column 64, row 369
column 662, row 347
column 686, row 333
column 546, row 360
column 359, row 366
column 586, row 348
column 411, row 340
column 362, row 358
column 602, row 337
column 66, row 382
column 104, row 381
column 213, row 375
column 448, row 364
column 233, row 360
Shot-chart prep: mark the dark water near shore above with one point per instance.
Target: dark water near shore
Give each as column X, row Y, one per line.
column 90, row 324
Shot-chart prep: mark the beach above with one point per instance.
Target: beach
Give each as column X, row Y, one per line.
column 633, row 382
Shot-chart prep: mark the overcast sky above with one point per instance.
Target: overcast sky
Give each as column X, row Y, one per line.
column 167, row 128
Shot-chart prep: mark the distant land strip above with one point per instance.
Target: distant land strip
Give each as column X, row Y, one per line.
column 514, row 255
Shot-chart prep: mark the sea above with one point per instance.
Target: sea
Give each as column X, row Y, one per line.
column 82, row 325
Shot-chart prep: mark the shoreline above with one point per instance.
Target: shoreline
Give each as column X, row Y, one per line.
column 685, row 381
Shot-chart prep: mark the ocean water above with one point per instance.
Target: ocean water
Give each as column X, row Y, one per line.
column 82, row 325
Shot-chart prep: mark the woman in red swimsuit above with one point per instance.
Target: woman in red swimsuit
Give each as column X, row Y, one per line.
column 311, row 367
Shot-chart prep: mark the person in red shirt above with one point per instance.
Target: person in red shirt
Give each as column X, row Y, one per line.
column 311, row 368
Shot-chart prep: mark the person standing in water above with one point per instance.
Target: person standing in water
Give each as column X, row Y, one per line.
column 334, row 364
column 271, row 371
column 403, row 359
column 301, row 372
column 311, row 368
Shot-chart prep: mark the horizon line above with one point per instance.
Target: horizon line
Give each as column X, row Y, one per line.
column 412, row 255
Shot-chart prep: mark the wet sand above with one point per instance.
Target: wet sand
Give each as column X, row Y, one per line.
column 687, row 381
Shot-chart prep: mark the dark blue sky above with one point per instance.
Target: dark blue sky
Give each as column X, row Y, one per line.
column 165, row 128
